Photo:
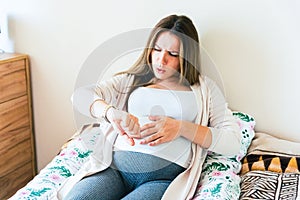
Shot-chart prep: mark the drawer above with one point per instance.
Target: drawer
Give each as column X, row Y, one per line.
column 11, row 138
column 17, row 156
column 12, row 182
column 12, row 80
column 14, row 114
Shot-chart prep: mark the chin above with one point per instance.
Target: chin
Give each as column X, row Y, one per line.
column 159, row 76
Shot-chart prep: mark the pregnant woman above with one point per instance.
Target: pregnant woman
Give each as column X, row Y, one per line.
column 164, row 116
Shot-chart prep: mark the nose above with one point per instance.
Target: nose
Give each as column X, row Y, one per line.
column 163, row 57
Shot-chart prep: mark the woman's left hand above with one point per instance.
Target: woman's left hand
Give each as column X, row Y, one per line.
column 162, row 129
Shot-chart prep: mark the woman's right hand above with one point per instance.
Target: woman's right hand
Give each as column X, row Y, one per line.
column 124, row 123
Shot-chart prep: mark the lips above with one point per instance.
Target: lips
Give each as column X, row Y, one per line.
column 160, row 71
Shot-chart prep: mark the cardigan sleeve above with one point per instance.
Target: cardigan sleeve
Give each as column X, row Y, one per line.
column 107, row 90
column 224, row 128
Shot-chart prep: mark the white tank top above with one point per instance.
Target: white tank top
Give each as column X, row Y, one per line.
column 179, row 105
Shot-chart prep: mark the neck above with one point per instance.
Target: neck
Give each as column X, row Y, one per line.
column 169, row 81
column 172, row 84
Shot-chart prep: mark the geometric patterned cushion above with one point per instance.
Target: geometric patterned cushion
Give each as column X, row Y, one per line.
column 269, row 153
column 274, row 163
column 270, row 185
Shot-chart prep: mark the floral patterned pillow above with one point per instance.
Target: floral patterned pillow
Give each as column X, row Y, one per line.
column 71, row 157
column 219, row 178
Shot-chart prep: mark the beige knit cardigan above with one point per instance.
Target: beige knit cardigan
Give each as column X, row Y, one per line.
column 184, row 185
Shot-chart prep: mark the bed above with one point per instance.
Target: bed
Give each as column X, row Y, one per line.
column 256, row 172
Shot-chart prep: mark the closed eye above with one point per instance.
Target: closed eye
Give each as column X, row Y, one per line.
column 157, row 48
column 174, row 54
column 171, row 53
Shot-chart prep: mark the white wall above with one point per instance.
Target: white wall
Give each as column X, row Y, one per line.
column 253, row 43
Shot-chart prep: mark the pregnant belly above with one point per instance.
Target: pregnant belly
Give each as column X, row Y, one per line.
column 172, row 151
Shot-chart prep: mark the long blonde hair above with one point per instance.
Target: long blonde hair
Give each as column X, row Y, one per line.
column 185, row 30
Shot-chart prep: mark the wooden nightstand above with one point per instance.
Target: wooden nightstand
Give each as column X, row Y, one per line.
column 17, row 147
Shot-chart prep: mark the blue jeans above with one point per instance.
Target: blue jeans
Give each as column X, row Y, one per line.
column 132, row 176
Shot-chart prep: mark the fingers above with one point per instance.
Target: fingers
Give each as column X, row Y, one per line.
column 117, row 127
column 154, row 127
column 130, row 140
column 153, row 131
column 160, row 130
column 155, row 117
column 149, row 129
column 153, row 140
column 131, row 125
column 126, row 125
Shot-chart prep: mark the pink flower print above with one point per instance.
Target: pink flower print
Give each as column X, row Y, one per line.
column 240, row 124
column 252, row 126
column 232, row 174
column 24, row 193
column 239, row 156
column 216, row 173
column 73, row 153
column 54, row 177
column 62, row 154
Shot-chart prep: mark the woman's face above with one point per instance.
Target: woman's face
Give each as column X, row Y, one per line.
column 165, row 56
